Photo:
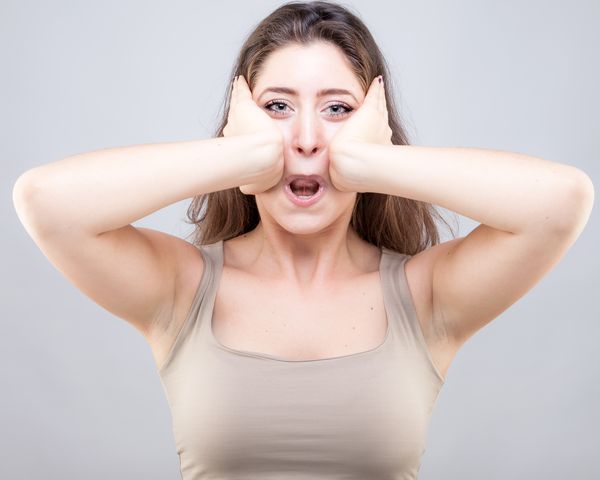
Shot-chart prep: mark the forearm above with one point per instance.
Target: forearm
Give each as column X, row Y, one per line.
column 110, row 188
column 508, row 191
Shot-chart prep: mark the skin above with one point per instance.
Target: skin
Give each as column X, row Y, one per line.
column 530, row 210
column 307, row 246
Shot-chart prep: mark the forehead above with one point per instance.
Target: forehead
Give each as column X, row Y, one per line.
column 310, row 65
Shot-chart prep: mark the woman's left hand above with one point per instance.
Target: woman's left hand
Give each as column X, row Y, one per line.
column 367, row 125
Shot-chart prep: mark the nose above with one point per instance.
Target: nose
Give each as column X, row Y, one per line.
column 308, row 134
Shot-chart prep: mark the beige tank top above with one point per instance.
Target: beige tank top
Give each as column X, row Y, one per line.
column 241, row 415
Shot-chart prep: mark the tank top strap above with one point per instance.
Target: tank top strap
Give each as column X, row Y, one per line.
column 201, row 303
column 402, row 307
column 207, row 289
column 397, row 295
column 400, row 300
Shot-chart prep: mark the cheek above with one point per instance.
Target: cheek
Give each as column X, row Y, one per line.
column 332, row 129
column 286, row 134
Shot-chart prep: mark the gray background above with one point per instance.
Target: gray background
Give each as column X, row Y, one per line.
column 80, row 394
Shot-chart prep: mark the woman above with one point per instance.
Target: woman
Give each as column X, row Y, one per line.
column 307, row 330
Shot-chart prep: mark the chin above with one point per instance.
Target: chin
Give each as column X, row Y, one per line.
column 305, row 226
column 298, row 222
column 306, row 230
column 311, row 225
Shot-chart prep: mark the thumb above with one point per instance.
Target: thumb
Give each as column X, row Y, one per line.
column 244, row 92
column 372, row 95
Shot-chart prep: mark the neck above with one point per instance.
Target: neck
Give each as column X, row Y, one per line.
column 309, row 261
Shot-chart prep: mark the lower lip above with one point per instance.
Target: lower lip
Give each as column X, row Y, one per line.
column 304, row 202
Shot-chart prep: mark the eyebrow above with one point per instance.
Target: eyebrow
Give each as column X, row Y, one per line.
column 320, row 93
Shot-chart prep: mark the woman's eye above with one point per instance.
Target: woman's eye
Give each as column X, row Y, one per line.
column 338, row 105
column 282, row 105
column 279, row 104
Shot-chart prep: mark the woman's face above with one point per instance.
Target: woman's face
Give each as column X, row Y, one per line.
column 308, row 121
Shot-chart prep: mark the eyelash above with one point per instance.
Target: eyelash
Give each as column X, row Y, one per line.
column 276, row 102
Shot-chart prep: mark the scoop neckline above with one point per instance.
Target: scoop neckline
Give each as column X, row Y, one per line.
column 276, row 358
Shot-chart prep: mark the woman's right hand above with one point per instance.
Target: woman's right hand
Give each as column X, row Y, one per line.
column 246, row 117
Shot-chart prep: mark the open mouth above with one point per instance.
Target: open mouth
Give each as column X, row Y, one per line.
column 304, row 187
column 304, row 190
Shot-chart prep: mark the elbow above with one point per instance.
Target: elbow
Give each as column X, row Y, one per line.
column 22, row 190
column 26, row 193
column 27, row 185
column 575, row 202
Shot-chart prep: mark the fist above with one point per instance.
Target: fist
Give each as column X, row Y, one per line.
column 245, row 117
column 368, row 125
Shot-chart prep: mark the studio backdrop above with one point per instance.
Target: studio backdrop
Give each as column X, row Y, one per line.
column 81, row 397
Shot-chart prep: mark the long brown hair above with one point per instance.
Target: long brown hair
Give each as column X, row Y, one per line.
column 398, row 223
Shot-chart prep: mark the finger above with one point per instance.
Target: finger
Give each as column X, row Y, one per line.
column 234, row 90
column 383, row 101
column 371, row 96
column 243, row 88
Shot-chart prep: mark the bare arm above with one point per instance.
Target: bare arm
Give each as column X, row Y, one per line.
column 106, row 189
column 78, row 211
column 531, row 211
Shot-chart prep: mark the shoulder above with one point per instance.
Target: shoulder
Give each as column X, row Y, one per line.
column 190, row 266
column 419, row 270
